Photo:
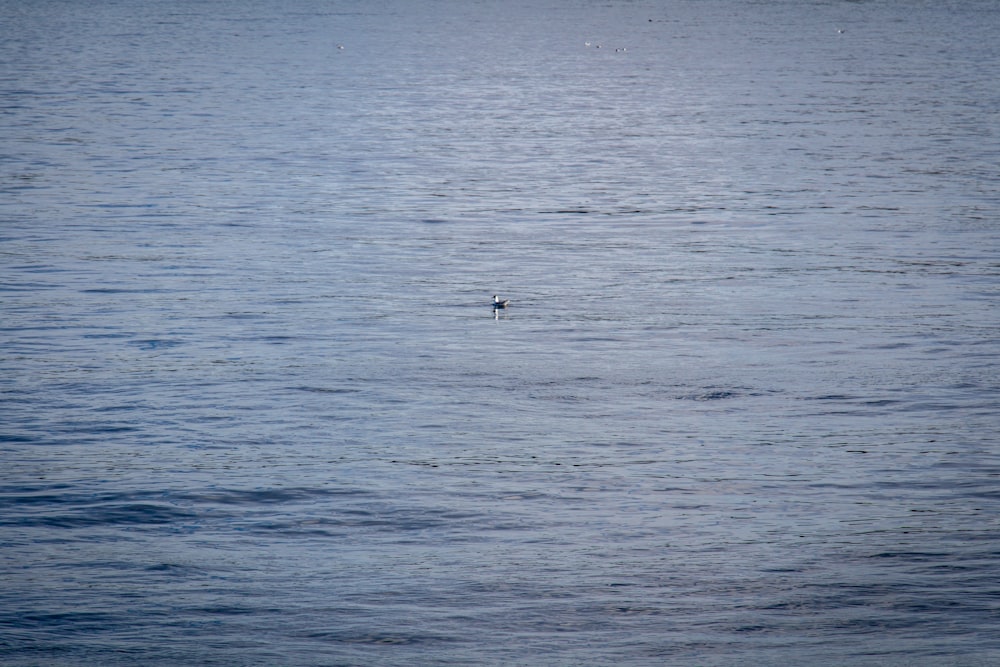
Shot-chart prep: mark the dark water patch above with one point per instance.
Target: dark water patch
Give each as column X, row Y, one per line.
column 94, row 516
column 70, row 622
column 277, row 339
column 109, row 336
column 226, row 610
column 388, row 638
column 880, row 402
column 381, row 519
column 126, row 407
column 156, row 343
column 832, row 397
column 265, row 496
column 122, row 206
column 72, row 493
column 26, row 286
column 328, row 390
column 123, row 290
column 912, row 556
column 173, row 569
column 39, row 268
column 20, row 439
column 710, row 395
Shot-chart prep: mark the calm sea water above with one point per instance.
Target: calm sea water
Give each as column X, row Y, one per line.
column 256, row 408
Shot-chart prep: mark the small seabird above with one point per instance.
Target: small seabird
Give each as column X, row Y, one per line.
column 497, row 303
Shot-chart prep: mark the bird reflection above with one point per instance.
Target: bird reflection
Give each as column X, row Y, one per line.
column 498, row 305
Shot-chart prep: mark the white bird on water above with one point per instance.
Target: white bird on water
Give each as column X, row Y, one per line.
column 497, row 303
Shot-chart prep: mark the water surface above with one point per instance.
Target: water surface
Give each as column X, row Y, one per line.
column 257, row 409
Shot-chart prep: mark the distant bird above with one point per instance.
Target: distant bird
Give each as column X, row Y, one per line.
column 497, row 303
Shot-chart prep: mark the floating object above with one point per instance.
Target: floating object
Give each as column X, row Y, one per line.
column 497, row 303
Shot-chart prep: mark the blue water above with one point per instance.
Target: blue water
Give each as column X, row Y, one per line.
column 257, row 410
